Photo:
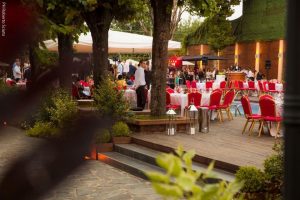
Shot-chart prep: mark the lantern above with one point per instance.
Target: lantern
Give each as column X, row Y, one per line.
column 171, row 122
column 192, row 119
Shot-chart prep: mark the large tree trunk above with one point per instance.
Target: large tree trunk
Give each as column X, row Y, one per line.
column 162, row 10
column 33, row 59
column 65, row 50
column 99, row 22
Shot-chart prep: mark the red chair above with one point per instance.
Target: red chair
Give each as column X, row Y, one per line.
column 170, row 90
column 193, row 99
column 241, row 87
column 248, row 114
column 268, row 113
column 223, row 85
column 208, row 84
column 228, row 99
column 214, row 102
column 188, row 83
column 251, row 86
column 272, row 87
column 194, row 84
column 262, row 88
column 168, row 102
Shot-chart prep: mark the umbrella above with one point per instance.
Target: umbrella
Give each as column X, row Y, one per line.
column 201, row 57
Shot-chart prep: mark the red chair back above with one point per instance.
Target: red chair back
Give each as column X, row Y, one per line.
column 228, row 98
column 215, row 98
column 246, row 105
column 170, row 90
column 251, row 84
column 208, row 84
column 272, row 86
column 194, row 98
column 223, row 84
column 168, row 98
column 188, row 84
column 261, row 86
column 194, row 84
column 241, row 84
column 217, row 90
column 267, row 106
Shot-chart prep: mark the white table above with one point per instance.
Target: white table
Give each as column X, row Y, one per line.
column 201, row 86
column 130, row 96
column 182, row 100
column 220, row 78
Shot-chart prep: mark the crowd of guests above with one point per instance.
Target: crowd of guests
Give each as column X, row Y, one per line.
column 21, row 72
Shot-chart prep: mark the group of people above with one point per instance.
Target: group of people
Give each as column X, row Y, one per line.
column 20, row 72
column 82, row 89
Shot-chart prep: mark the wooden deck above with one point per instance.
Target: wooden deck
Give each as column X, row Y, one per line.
column 223, row 143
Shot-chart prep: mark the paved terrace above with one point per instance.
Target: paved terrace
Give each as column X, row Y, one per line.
column 92, row 180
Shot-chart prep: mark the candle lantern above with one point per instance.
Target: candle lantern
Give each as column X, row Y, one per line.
column 171, row 122
column 193, row 111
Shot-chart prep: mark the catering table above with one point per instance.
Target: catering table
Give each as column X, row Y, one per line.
column 130, row 96
column 182, row 100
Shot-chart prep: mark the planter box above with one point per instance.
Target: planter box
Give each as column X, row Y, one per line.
column 156, row 125
column 122, row 140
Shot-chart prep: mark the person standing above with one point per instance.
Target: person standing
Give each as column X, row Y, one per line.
column 147, row 75
column 120, row 68
column 132, row 69
column 17, row 70
column 27, row 71
column 139, row 84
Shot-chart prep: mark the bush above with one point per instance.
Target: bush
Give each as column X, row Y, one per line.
column 110, row 101
column 252, row 178
column 42, row 129
column 274, row 167
column 102, row 137
column 120, row 129
column 59, row 108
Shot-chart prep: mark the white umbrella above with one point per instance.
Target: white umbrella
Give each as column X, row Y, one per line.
column 118, row 42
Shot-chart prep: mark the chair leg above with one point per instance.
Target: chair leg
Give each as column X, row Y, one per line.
column 228, row 115
column 261, row 128
column 250, row 128
column 277, row 130
column 245, row 126
column 221, row 115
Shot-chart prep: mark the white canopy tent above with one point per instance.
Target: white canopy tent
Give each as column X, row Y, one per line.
column 118, row 42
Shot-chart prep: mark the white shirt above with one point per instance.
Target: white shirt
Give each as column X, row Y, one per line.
column 17, row 72
column 139, row 77
column 120, row 69
column 126, row 68
column 250, row 74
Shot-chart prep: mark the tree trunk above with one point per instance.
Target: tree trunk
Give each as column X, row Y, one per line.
column 33, row 59
column 162, row 10
column 65, row 50
column 99, row 22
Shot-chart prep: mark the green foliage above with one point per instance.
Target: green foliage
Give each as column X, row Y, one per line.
column 253, row 179
column 56, row 112
column 120, row 129
column 181, row 181
column 110, row 101
column 5, row 89
column 102, row 136
column 46, row 58
column 43, row 129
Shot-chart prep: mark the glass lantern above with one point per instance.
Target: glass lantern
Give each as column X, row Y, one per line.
column 193, row 111
column 171, row 129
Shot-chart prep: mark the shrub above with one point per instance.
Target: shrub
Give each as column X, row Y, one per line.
column 252, row 178
column 181, row 181
column 42, row 129
column 58, row 108
column 120, row 129
column 110, row 101
column 274, row 167
column 102, row 137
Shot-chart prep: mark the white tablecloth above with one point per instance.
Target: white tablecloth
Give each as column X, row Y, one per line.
column 130, row 96
column 278, row 86
column 201, row 86
column 182, row 100
column 220, row 78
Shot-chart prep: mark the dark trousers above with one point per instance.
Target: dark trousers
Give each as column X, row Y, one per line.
column 141, row 97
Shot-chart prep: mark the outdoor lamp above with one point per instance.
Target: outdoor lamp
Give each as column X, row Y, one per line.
column 171, row 123
column 192, row 118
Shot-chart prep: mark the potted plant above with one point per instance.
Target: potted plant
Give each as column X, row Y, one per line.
column 103, row 141
column 121, row 133
column 253, row 180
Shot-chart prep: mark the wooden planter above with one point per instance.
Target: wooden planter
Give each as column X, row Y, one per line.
column 122, row 140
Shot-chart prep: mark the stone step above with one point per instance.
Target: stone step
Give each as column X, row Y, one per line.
column 128, row 164
column 148, row 155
